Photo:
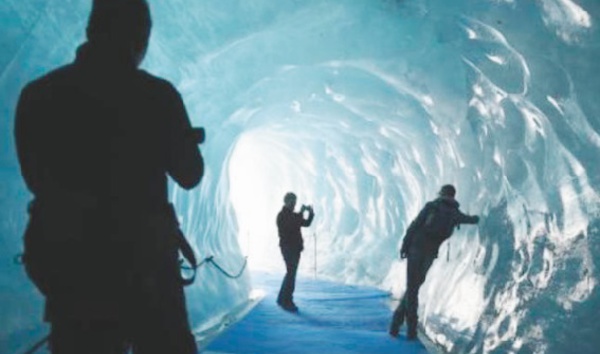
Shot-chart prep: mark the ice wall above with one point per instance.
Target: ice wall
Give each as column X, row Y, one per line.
column 364, row 108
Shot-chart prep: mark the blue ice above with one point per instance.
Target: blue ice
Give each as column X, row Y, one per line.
column 364, row 108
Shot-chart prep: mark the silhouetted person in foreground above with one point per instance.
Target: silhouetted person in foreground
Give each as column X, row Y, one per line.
column 434, row 224
column 96, row 140
column 291, row 244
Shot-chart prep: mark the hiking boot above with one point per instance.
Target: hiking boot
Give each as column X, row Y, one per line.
column 394, row 331
column 291, row 307
column 411, row 334
column 411, row 322
column 288, row 306
column 397, row 320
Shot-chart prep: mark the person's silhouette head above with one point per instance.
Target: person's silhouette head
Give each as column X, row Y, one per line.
column 447, row 190
column 289, row 200
column 122, row 26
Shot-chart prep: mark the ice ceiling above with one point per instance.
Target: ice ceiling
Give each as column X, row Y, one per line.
column 364, row 108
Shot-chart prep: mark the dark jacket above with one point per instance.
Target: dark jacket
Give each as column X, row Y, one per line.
column 105, row 131
column 288, row 226
column 419, row 239
column 96, row 140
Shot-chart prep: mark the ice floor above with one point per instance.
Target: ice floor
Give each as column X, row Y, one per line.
column 333, row 318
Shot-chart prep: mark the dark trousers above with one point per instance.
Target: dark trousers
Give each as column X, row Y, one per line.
column 94, row 337
column 416, row 271
column 148, row 317
column 151, row 328
column 111, row 279
column 152, row 319
column 292, row 259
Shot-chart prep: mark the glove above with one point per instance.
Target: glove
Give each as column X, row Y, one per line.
column 476, row 217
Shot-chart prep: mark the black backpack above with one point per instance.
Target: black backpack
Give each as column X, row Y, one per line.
column 440, row 221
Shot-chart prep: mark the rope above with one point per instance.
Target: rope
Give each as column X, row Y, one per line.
column 227, row 274
column 211, row 260
column 192, row 267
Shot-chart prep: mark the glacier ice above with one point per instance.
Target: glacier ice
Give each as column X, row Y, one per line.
column 364, row 108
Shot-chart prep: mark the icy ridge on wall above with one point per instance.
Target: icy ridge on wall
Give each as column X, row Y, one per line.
column 364, row 108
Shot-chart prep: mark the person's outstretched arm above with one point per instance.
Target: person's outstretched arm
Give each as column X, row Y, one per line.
column 467, row 219
column 186, row 165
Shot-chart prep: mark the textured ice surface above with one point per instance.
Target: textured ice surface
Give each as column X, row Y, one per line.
column 364, row 108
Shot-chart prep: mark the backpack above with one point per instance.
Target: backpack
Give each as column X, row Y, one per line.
column 440, row 221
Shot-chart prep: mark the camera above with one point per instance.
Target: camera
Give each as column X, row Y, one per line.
column 199, row 135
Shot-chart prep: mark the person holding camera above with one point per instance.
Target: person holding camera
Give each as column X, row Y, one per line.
column 291, row 244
